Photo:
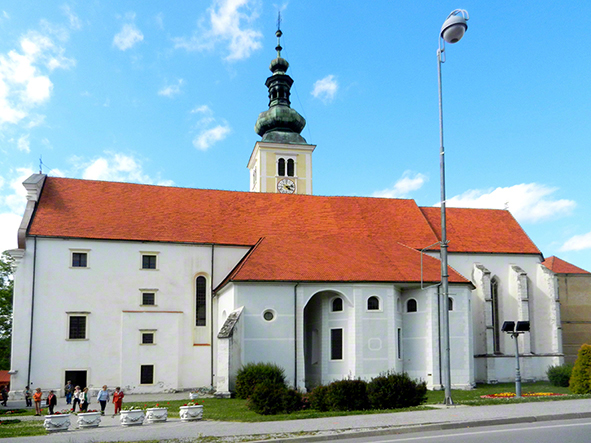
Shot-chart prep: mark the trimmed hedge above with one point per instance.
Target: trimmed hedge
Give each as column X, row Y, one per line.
column 559, row 375
column 391, row 390
column 251, row 374
column 268, row 398
column 580, row 380
column 347, row 395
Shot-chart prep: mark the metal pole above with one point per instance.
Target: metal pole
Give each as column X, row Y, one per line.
column 517, row 370
column 443, row 251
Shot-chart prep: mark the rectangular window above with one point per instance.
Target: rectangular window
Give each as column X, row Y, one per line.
column 336, row 344
column 148, row 338
column 147, row 374
column 399, row 342
column 77, row 327
column 148, row 261
column 201, row 301
column 148, row 298
column 79, row 259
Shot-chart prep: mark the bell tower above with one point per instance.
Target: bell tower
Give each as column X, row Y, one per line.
column 282, row 160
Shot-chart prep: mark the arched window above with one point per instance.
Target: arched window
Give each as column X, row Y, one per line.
column 337, row 304
column 494, row 295
column 290, row 167
column 373, row 303
column 411, row 305
column 201, row 301
column 450, row 304
column 281, row 167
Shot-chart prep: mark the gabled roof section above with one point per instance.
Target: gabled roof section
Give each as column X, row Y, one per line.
column 337, row 259
column 559, row 266
column 124, row 211
column 481, row 231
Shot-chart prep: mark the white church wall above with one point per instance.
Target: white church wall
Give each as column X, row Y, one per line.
column 461, row 338
column 268, row 340
column 110, row 285
column 524, row 294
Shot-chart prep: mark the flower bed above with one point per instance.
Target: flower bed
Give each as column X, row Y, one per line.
column 525, row 394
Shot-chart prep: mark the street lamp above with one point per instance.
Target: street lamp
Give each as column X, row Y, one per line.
column 511, row 328
column 452, row 31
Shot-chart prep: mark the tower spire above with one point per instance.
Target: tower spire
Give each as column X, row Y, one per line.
column 280, row 123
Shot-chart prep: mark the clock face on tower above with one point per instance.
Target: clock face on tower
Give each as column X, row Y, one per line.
column 286, row 186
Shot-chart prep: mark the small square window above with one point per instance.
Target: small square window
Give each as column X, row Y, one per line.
column 148, row 338
column 147, row 374
column 148, row 261
column 79, row 259
column 77, row 327
column 148, row 298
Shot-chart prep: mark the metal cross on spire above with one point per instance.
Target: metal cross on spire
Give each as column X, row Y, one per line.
column 279, row 34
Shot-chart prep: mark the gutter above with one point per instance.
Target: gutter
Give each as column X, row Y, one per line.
column 295, row 335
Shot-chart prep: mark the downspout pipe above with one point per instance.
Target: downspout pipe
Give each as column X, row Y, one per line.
column 295, row 335
column 211, row 313
column 32, row 312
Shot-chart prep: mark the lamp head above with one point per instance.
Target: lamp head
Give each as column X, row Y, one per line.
column 508, row 327
column 455, row 26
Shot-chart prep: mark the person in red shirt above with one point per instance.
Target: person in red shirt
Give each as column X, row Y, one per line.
column 37, row 399
column 118, row 399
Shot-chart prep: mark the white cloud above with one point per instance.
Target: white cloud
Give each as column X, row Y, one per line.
column 24, row 76
column 207, row 138
column 9, row 224
column 23, row 144
column 528, row 202
column 404, row 186
column 203, row 109
column 577, row 243
column 228, row 24
column 326, row 89
column 127, row 37
column 72, row 17
column 116, row 167
column 171, row 90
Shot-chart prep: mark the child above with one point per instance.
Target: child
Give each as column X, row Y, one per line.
column 37, row 399
column 118, row 400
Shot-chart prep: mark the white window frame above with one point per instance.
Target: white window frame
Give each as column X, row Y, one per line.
column 79, row 251
column 342, row 344
column 380, row 305
column 153, row 375
column 71, row 314
column 148, row 331
column 286, row 157
column 149, row 291
column 155, row 253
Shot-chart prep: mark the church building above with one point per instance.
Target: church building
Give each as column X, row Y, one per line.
column 158, row 289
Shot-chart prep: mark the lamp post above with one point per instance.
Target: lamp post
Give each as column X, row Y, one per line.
column 514, row 330
column 452, row 31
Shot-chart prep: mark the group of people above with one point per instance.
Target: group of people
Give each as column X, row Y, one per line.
column 75, row 397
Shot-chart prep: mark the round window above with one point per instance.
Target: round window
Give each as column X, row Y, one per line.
column 268, row 315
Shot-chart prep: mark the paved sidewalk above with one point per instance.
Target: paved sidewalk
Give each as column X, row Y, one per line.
column 325, row 428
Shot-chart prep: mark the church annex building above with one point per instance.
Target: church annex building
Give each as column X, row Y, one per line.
column 156, row 288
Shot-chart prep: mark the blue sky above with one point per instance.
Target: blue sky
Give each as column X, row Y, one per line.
column 168, row 93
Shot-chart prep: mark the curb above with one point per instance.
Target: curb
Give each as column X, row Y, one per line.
column 352, row 433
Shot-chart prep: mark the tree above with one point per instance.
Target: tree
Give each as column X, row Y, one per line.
column 6, row 293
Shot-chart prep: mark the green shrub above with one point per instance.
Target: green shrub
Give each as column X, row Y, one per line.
column 559, row 375
column 268, row 398
column 391, row 390
column 580, row 380
column 319, row 398
column 292, row 401
column 347, row 395
column 252, row 374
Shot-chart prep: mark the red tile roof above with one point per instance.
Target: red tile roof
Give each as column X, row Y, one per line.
column 481, row 230
column 306, row 238
column 559, row 266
